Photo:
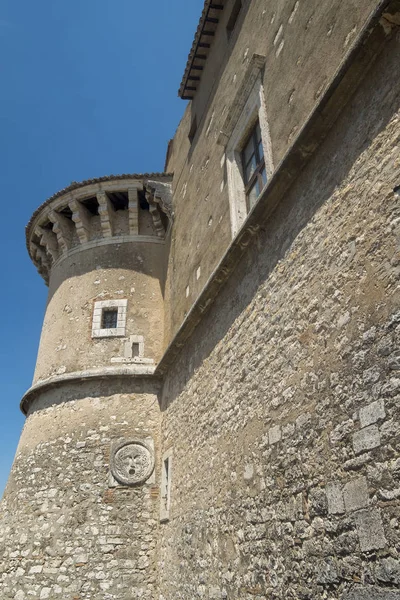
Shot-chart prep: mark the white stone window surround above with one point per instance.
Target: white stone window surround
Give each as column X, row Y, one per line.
column 128, row 357
column 166, row 478
column 134, row 339
column 248, row 108
column 99, row 307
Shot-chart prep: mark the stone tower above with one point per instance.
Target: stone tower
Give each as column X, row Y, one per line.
column 257, row 346
column 82, row 502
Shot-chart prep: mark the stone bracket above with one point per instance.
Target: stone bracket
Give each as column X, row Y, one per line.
column 81, row 217
column 159, row 197
column 63, row 228
column 48, row 239
column 133, row 208
column 106, row 212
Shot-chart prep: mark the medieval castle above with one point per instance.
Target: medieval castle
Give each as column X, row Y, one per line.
column 215, row 408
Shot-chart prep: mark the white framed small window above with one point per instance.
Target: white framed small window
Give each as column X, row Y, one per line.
column 109, row 318
column 246, row 127
column 166, row 478
column 134, row 347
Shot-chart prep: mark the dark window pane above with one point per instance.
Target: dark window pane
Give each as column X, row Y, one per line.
column 258, row 132
column 252, row 196
column 249, row 169
column 109, row 319
column 249, row 149
column 263, row 174
column 260, row 151
column 254, row 173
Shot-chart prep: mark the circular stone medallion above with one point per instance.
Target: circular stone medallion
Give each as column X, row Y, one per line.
column 132, row 462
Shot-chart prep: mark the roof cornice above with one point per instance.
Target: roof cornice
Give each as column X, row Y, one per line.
column 200, row 48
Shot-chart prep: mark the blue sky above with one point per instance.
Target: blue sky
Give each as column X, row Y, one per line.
column 88, row 88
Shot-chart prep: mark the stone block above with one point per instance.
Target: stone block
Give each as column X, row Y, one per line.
column 366, row 439
column 355, row 494
column 274, row 434
column 370, row 530
column 371, row 592
column 215, row 592
column 318, row 504
column 335, row 498
column 248, row 472
column 354, row 464
column 35, row 569
column 372, row 413
column 388, row 570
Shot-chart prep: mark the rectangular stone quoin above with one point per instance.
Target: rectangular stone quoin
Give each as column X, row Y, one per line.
column 366, row 439
column 372, row 413
column 355, row 494
column 274, row 434
column 334, row 496
column 370, row 530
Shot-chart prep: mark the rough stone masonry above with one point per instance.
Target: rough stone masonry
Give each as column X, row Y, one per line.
column 215, row 412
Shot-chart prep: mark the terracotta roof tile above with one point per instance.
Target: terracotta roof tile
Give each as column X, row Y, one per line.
column 208, row 4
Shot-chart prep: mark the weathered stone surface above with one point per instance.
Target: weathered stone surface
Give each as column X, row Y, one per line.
column 388, row 570
column 335, row 499
column 75, row 536
column 372, row 413
column 274, row 434
column 355, row 494
column 281, row 334
column 272, row 407
column 371, row 592
column 370, row 530
column 366, row 439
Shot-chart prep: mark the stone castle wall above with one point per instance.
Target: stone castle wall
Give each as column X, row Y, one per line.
column 283, row 408
column 304, row 44
column 65, row 531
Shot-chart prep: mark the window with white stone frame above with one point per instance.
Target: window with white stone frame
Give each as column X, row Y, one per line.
column 166, row 477
column 253, row 165
column 246, row 138
column 109, row 318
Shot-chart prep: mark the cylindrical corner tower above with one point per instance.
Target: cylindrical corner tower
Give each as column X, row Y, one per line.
column 81, row 508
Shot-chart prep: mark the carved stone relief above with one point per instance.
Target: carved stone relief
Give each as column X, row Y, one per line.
column 132, row 462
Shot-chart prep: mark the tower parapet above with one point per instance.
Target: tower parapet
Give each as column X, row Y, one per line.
column 96, row 212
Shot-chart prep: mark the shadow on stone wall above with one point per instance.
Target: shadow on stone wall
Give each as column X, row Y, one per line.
column 365, row 116
column 101, row 388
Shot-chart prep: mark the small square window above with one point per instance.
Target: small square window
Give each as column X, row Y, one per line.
column 109, row 318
